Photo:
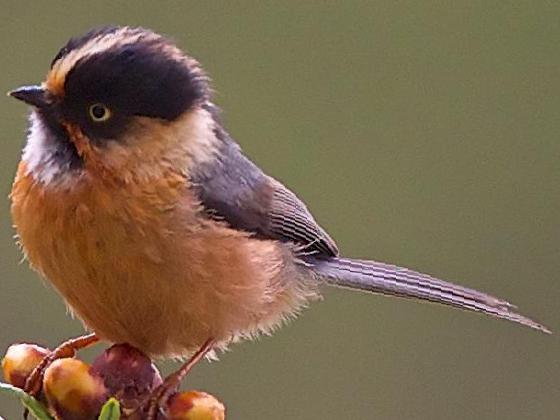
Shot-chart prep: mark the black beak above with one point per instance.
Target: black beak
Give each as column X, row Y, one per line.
column 32, row 95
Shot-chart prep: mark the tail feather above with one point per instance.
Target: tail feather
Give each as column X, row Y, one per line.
column 388, row 279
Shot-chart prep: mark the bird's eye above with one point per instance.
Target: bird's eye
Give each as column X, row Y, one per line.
column 99, row 112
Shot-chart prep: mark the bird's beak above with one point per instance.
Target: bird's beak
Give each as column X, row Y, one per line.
column 32, row 95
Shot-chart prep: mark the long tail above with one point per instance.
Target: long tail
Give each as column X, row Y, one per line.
column 388, row 279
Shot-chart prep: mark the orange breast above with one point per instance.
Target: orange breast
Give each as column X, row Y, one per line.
column 137, row 263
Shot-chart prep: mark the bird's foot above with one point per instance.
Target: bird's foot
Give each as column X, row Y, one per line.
column 156, row 406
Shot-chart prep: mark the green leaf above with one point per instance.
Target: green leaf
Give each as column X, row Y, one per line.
column 37, row 409
column 111, row 410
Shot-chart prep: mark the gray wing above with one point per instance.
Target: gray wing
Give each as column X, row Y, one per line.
column 234, row 189
column 289, row 218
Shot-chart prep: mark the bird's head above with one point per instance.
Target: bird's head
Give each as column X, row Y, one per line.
column 118, row 99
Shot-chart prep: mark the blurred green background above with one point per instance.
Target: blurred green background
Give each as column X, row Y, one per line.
column 420, row 133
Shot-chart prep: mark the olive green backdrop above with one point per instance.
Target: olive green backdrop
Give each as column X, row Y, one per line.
column 420, row 133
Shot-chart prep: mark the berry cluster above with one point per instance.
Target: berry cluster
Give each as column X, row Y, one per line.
column 74, row 390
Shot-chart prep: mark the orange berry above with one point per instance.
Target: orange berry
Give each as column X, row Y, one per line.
column 20, row 360
column 195, row 405
column 72, row 391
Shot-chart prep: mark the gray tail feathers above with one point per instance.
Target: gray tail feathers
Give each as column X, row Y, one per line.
column 388, row 279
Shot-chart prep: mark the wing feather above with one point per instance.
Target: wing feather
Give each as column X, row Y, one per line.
column 234, row 189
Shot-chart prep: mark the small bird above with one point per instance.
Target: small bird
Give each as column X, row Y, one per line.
column 135, row 203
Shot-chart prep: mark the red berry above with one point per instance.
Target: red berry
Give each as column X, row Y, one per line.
column 128, row 374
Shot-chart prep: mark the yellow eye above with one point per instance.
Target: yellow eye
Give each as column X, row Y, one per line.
column 99, row 112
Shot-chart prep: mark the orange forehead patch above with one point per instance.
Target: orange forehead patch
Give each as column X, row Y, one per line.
column 55, row 82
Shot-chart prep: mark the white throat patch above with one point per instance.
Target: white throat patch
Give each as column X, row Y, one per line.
column 46, row 157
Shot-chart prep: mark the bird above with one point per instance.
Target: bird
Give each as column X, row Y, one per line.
column 145, row 215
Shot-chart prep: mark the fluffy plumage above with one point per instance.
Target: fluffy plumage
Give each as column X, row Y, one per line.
column 153, row 225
